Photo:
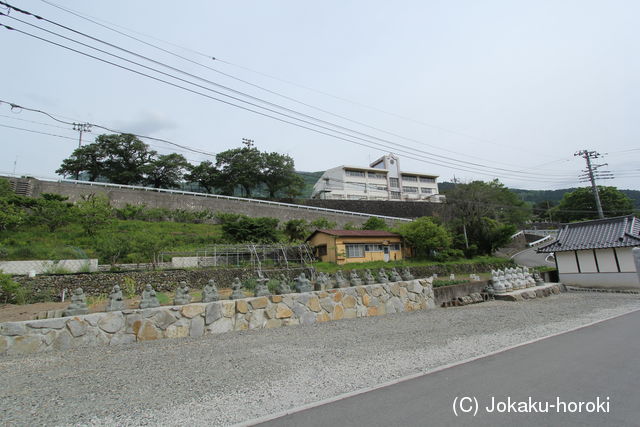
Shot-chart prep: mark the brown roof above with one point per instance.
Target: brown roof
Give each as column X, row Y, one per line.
column 618, row 232
column 356, row 233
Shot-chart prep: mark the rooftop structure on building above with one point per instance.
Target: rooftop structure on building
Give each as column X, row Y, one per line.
column 382, row 180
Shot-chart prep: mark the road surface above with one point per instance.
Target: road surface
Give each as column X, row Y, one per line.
column 595, row 362
column 531, row 258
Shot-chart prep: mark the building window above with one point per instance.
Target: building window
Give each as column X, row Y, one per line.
column 394, row 182
column 359, row 174
column 408, row 178
column 427, row 180
column 360, row 186
column 394, row 247
column 376, row 175
column 378, row 187
column 355, row 251
column 356, row 197
column 395, row 194
column 426, row 190
column 410, row 189
column 321, row 250
column 373, row 248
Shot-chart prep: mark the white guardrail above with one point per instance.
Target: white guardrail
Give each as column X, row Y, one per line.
column 218, row 196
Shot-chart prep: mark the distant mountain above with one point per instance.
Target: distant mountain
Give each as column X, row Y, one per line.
column 535, row 196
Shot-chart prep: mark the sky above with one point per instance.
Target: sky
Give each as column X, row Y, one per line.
column 461, row 89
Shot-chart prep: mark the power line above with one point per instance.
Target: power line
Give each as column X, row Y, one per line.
column 446, row 163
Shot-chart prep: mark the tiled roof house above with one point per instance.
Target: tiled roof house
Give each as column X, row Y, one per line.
column 597, row 253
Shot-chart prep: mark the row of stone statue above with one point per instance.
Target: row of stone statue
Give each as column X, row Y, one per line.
column 512, row 279
column 210, row 291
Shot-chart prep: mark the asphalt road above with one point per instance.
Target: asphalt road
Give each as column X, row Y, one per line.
column 531, row 258
column 598, row 361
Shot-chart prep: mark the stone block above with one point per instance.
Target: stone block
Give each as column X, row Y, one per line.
column 260, row 302
column 271, row 311
column 323, row 294
column 395, row 289
column 4, row 344
column 145, row 330
column 403, row 292
column 62, row 340
column 377, row 291
column 26, row 345
column 130, row 319
column 192, row 310
column 119, row 339
column 228, row 308
column 163, row 319
column 299, row 310
column 338, row 312
column 414, row 287
column 276, row 298
column 224, row 324
column 337, row 297
column 242, row 306
column 349, row 301
column 361, row 311
column 48, row 338
column 13, row 329
column 290, row 322
column 314, row 304
column 213, row 312
column 322, row 317
column 361, row 291
column 308, row 318
column 365, row 300
column 327, row 304
column 273, row 323
column 350, row 313
column 283, row 312
column 258, row 319
column 111, row 322
column 92, row 319
column 372, row 311
column 49, row 324
column 241, row 323
column 197, row 327
column 77, row 327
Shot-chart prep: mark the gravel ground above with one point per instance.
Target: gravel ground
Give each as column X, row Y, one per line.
column 238, row 376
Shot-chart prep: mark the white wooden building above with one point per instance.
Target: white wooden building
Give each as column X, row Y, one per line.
column 598, row 253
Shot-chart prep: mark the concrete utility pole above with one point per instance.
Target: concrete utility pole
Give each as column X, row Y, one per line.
column 591, row 174
column 81, row 127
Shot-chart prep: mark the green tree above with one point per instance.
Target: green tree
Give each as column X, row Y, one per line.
column 125, row 158
column 52, row 212
column 239, row 167
column 488, row 234
column 5, row 188
column 375, row 223
column 165, row 171
column 150, row 245
column 111, row 247
column 241, row 228
column 205, row 174
column 425, row 236
column 279, row 176
column 94, row 212
column 87, row 159
column 11, row 215
column 296, row 229
column 580, row 204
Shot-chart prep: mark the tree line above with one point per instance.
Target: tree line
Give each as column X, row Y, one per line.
column 124, row 159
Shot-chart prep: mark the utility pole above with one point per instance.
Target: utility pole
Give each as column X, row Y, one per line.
column 248, row 142
column 81, row 127
column 591, row 174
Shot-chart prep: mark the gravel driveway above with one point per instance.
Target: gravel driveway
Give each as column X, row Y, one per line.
column 238, row 376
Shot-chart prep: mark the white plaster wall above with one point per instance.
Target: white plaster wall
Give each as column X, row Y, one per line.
column 601, row 280
column 184, row 261
column 625, row 258
column 606, row 261
column 566, row 262
column 587, row 261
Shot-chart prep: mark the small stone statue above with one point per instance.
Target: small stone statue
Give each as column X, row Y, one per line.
column 382, row 276
column 303, row 284
column 538, row 278
column 116, row 303
column 452, row 276
column 323, row 282
column 182, row 295
column 78, row 304
column 406, row 274
column 496, row 284
column 283, row 287
column 395, row 277
column 237, row 289
column 341, row 282
column 368, row 277
column 354, row 279
column 149, row 298
column 210, row 292
column 261, row 288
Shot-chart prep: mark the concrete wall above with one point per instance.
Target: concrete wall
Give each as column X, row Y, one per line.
column 195, row 320
column 119, row 197
column 382, row 207
column 45, row 266
column 601, row 280
column 600, row 268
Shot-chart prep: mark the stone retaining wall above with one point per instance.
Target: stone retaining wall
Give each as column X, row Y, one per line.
column 198, row 319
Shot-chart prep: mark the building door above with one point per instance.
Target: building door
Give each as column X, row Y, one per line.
column 386, row 253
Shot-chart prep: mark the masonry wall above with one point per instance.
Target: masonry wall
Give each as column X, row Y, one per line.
column 196, row 320
column 382, row 207
column 119, row 197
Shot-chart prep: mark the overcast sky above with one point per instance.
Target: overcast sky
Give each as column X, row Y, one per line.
column 466, row 89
